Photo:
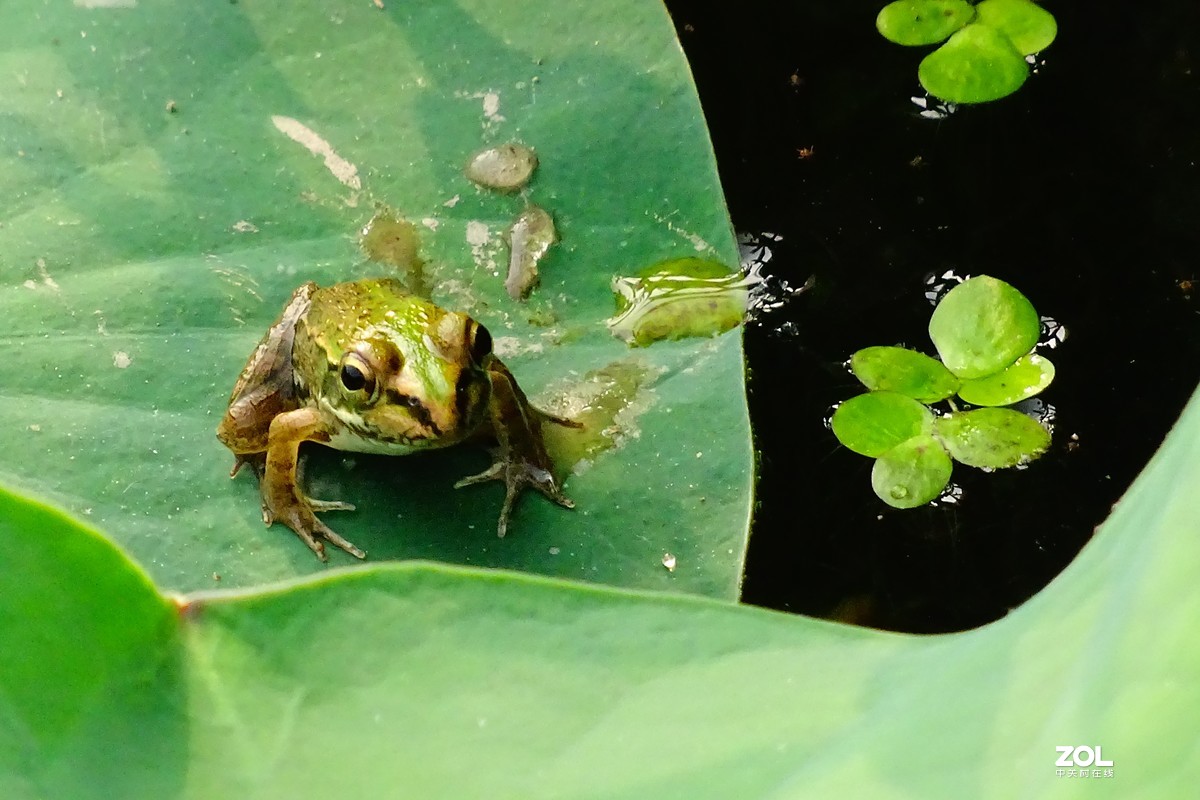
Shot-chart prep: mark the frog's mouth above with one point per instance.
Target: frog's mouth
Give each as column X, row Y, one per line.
column 418, row 411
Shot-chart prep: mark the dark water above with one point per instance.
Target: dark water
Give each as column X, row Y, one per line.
column 1083, row 190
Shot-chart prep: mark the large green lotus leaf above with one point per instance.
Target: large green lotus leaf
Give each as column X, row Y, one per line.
column 173, row 170
column 435, row 681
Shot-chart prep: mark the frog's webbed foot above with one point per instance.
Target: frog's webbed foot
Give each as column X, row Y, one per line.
column 299, row 514
column 517, row 475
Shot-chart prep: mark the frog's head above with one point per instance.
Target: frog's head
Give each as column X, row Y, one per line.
column 420, row 382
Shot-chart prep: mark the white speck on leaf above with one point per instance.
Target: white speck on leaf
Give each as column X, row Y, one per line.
column 121, row 359
column 510, row 346
column 483, row 247
column 47, row 280
column 491, row 106
column 298, row 132
column 106, row 3
column 452, row 202
column 245, row 226
column 431, row 223
column 668, row 561
column 696, row 240
column 477, row 233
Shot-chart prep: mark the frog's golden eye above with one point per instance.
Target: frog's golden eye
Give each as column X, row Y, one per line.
column 356, row 375
column 481, row 342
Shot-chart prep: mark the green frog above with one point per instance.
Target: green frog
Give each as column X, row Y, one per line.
column 367, row 367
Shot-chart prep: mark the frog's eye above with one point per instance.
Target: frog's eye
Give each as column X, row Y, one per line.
column 356, row 375
column 481, row 343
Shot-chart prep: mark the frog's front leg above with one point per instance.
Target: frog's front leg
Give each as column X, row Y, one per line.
column 282, row 498
column 521, row 460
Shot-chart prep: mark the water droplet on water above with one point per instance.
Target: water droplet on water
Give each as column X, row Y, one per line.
column 932, row 108
column 1053, row 333
column 937, row 284
column 950, row 496
column 827, row 420
column 1038, row 409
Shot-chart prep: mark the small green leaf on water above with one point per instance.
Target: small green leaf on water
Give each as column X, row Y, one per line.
column 678, row 299
column 983, row 325
column 1030, row 27
column 1028, row 376
column 991, row 438
column 920, row 22
column 872, row 424
column 977, row 65
column 912, row 473
column 897, row 369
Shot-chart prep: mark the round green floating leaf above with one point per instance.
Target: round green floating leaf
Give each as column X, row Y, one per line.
column 983, row 325
column 912, row 473
column 1029, row 375
column 992, row 438
column 897, row 369
column 919, row 22
column 873, row 423
column 977, row 65
column 1028, row 26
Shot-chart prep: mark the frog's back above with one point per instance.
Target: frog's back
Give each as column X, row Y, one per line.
column 341, row 313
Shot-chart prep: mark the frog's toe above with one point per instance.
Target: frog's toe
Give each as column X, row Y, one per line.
column 329, row 505
column 493, row 473
column 337, row 540
column 312, row 531
column 514, row 484
column 560, row 498
column 565, row 422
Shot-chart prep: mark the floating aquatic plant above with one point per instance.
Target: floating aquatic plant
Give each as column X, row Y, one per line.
column 984, row 331
column 986, row 44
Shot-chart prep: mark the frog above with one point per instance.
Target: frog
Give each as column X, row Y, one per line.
column 366, row 366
